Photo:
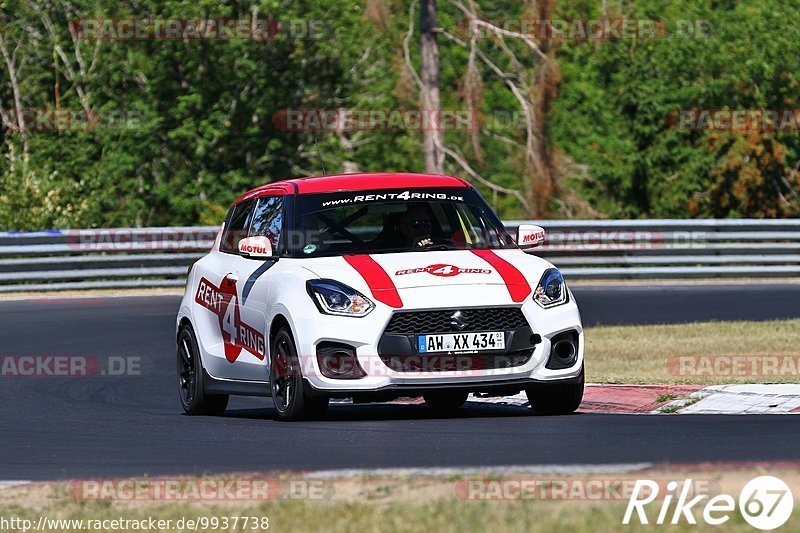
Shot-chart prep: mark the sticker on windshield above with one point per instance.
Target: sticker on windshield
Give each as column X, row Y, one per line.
column 390, row 196
column 310, row 249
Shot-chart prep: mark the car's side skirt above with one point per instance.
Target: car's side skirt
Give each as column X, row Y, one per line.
column 214, row 385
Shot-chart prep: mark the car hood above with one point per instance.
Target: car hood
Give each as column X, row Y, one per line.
column 403, row 272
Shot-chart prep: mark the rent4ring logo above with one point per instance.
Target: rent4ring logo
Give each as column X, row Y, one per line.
column 765, row 503
column 223, row 301
column 443, row 270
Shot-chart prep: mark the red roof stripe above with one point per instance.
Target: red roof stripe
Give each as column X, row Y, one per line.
column 355, row 182
column 279, row 188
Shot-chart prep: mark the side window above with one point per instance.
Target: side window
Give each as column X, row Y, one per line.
column 236, row 229
column 268, row 220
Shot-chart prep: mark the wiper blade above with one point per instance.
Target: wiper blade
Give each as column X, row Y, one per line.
column 439, row 247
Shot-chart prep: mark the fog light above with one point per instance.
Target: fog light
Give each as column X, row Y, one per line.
column 338, row 361
column 563, row 350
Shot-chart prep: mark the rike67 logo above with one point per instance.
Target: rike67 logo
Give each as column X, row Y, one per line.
column 765, row 503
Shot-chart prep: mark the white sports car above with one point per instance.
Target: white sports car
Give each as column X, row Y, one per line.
column 373, row 287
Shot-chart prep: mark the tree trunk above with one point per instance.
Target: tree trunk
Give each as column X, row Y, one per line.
column 430, row 103
column 13, row 71
column 542, row 170
column 12, row 76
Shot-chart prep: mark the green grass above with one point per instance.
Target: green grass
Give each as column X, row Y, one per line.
column 399, row 503
column 640, row 354
column 441, row 515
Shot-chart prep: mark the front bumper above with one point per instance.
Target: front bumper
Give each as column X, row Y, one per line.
column 494, row 387
column 365, row 335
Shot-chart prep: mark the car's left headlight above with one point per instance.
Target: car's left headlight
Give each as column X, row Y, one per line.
column 552, row 290
column 334, row 298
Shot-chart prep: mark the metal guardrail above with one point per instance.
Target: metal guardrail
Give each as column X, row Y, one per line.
column 672, row 248
column 101, row 258
column 582, row 249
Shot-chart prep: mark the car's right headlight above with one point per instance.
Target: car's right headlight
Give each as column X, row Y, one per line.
column 552, row 290
column 334, row 298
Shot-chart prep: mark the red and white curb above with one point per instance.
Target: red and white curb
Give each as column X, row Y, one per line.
column 666, row 399
column 636, row 399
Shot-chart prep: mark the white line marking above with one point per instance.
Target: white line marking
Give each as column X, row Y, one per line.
column 11, row 483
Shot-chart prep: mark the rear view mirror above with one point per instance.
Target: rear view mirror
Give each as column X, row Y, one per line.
column 256, row 247
column 529, row 236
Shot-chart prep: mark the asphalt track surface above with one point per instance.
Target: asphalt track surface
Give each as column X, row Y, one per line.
column 689, row 302
column 102, row 426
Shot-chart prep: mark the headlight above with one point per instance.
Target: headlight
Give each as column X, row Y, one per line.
column 552, row 290
column 334, row 298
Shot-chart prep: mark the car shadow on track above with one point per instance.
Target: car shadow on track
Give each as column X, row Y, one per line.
column 389, row 412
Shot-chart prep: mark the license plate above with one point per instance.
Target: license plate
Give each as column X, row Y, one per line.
column 457, row 342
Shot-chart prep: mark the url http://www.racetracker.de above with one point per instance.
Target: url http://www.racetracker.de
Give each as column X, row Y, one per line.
column 46, row 524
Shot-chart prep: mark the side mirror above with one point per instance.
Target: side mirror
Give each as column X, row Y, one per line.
column 256, row 247
column 529, row 237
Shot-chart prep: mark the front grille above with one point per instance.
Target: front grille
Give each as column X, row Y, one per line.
column 451, row 363
column 490, row 319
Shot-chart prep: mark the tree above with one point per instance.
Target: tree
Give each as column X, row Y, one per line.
column 433, row 142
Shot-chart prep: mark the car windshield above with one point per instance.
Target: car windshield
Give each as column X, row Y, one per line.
column 395, row 221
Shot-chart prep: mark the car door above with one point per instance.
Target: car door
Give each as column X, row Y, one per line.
column 243, row 289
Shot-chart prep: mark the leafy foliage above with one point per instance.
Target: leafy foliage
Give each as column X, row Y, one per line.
column 195, row 120
column 616, row 98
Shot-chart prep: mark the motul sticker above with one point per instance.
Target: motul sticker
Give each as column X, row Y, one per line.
column 442, row 270
column 536, row 237
column 224, row 302
column 257, row 246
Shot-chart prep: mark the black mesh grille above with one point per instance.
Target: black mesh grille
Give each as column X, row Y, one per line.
column 493, row 319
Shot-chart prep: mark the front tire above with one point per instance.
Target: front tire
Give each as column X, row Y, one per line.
column 291, row 400
column 445, row 401
column 193, row 396
column 561, row 399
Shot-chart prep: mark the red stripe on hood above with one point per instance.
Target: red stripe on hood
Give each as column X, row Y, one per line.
column 379, row 282
column 518, row 287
